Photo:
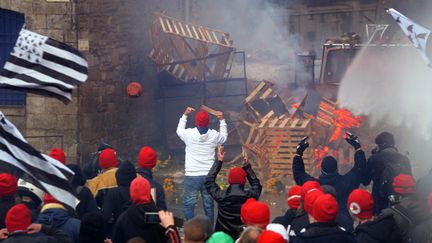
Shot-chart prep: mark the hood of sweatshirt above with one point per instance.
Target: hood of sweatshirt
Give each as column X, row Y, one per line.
column 55, row 217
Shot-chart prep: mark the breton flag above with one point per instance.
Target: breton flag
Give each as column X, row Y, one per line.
column 416, row 33
column 18, row 157
column 39, row 63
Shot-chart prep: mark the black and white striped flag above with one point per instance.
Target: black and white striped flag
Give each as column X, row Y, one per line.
column 416, row 33
column 17, row 156
column 39, row 63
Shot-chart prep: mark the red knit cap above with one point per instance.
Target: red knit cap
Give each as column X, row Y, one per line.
column 18, row 218
column 237, row 176
column 49, row 199
column 202, row 119
column 108, row 159
column 361, row 204
column 325, row 208
column 268, row 236
column 310, row 199
column 309, row 186
column 294, row 197
column 258, row 213
column 147, row 158
column 58, row 154
column 140, row 191
column 404, row 184
column 8, row 185
column 430, row 200
column 244, row 209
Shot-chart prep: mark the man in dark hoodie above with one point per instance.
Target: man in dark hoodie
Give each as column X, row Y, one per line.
column 343, row 184
column 406, row 208
column 137, row 220
column 147, row 159
column 294, row 202
column 87, row 202
column 117, row 199
column 323, row 227
column 54, row 214
column 384, row 164
column 370, row 229
column 8, row 190
column 21, row 230
column 231, row 200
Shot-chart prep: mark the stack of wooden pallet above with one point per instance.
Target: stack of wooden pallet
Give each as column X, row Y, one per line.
column 188, row 51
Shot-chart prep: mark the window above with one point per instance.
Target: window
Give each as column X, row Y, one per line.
column 10, row 25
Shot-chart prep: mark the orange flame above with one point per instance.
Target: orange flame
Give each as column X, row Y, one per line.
column 344, row 120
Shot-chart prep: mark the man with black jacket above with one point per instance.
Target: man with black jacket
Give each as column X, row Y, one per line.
column 230, row 200
column 137, row 220
column 384, row 164
column 370, row 229
column 343, row 184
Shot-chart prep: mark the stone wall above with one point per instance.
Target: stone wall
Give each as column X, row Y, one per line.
column 45, row 121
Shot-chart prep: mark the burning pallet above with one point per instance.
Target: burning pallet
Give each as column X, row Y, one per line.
column 186, row 50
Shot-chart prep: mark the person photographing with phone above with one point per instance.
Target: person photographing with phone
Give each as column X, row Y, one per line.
column 343, row 184
column 231, row 200
column 201, row 142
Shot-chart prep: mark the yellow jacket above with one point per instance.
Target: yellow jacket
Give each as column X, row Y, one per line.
column 105, row 180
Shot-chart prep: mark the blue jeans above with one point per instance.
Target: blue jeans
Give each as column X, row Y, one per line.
column 192, row 186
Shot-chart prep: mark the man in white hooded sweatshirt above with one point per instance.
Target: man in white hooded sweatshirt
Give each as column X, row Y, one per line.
column 201, row 143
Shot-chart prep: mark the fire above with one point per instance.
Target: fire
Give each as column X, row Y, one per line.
column 344, row 120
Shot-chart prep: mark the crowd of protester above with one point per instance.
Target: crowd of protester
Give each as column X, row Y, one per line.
column 124, row 203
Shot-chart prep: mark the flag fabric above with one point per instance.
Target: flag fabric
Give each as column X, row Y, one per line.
column 39, row 63
column 416, row 33
column 18, row 156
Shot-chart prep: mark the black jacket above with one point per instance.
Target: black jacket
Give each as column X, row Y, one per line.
column 324, row 232
column 383, row 229
column 408, row 213
column 376, row 165
column 344, row 184
column 52, row 235
column 5, row 204
column 299, row 222
column 87, row 202
column 423, row 232
column 160, row 192
column 286, row 219
column 132, row 223
column 230, row 200
column 117, row 200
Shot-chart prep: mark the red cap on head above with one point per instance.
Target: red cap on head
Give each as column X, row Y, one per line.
column 108, row 159
column 404, row 184
column 361, row 204
column 49, row 199
column 294, row 197
column 310, row 199
column 325, row 208
column 430, row 200
column 140, row 191
column 147, row 158
column 237, row 176
column 18, row 218
column 244, row 209
column 202, row 119
column 309, row 186
column 258, row 214
column 8, row 185
column 269, row 236
column 58, row 154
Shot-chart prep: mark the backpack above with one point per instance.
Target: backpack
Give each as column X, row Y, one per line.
column 394, row 165
column 404, row 221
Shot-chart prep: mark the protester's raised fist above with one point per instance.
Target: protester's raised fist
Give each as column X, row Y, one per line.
column 188, row 111
column 221, row 153
column 302, row 146
column 353, row 140
column 219, row 115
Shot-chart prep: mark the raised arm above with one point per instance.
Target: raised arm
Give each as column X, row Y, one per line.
column 181, row 127
column 256, row 187
column 299, row 172
column 223, row 131
column 210, row 183
column 359, row 169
